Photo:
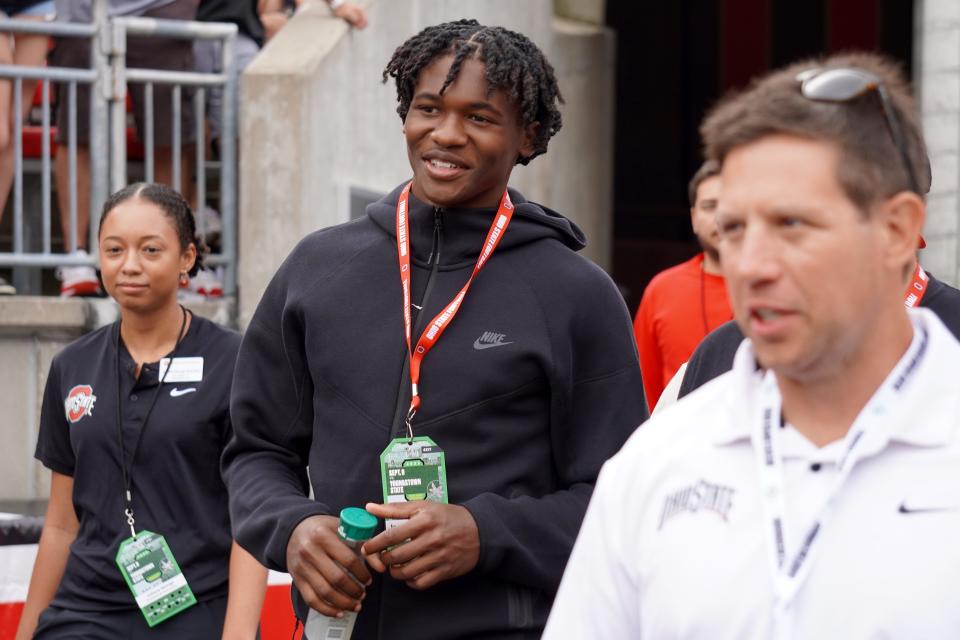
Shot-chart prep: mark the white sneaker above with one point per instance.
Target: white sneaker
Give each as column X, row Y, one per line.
column 207, row 283
column 7, row 289
column 79, row 280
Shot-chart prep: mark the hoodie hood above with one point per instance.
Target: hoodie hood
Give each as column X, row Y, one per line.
column 464, row 230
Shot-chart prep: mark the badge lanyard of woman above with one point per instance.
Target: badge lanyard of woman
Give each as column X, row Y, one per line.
column 145, row 560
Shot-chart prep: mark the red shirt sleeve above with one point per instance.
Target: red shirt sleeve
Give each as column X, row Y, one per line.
column 648, row 348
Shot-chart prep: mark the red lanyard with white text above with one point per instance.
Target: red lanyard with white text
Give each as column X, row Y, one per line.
column 918, row 287
column 790, row 575
column 437, row 326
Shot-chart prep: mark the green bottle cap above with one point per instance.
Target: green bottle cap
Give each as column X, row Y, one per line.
column 357, row 524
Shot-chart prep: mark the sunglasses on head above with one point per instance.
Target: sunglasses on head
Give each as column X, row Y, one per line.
column 846, row 84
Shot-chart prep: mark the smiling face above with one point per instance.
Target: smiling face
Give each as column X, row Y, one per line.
column 140, row 256
column 463, row 143
column 808, row 274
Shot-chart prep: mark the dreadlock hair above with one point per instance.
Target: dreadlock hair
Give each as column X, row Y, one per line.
column 513, row 64
column 173, row 205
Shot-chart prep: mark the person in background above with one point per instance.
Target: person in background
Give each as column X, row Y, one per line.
column 820, row 477
column 683, row 304
column 134, row 419
column 20, row 49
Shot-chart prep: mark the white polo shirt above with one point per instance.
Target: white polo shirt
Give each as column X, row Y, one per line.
column 676, row 542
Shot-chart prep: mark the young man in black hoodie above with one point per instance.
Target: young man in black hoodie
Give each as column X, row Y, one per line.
column 529, row 375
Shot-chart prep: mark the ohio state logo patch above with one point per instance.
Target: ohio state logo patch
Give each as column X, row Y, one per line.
column 79, row 402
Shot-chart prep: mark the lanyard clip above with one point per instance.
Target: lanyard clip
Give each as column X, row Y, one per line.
column 412, row 412
column 130, row 521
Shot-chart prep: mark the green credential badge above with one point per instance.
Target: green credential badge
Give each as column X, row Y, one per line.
column 413, row 470
column 154, row 577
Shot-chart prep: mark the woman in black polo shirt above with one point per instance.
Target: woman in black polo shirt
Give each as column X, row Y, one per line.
column 136, row 541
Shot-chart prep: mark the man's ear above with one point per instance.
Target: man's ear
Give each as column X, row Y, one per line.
column 529, row 137
column 902, row 217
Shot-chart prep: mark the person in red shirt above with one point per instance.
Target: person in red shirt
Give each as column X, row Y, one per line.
column 682, row 304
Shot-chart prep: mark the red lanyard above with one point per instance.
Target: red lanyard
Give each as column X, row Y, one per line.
column 437, row 326
column 918, row 287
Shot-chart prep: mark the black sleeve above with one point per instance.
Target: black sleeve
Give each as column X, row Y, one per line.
column 232, row 347
column 712, row 357
column 54, row 449
column 597, row 402
column 272, row 414
column 944, row 300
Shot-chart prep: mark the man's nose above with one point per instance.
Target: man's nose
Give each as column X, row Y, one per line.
column 449, row 131
column 753, row 260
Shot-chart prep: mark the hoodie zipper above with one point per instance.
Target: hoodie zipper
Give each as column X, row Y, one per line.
column 398, row 428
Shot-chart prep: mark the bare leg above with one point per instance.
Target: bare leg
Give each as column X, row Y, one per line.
column 163, row 169
column 29, row 51
column 83, row 194
column 6, row 122
column 78, row 280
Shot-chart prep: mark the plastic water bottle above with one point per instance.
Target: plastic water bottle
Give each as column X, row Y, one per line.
column 356, row 526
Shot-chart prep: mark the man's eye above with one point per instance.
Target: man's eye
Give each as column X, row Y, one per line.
column 730, row 227
column 426, row 108
column 479, row 119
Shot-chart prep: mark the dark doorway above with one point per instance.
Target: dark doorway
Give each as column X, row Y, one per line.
column 674, row 60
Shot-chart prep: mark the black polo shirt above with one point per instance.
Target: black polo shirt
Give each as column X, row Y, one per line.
column 177, row 488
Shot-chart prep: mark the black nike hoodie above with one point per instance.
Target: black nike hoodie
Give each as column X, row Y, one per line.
column 533, row 385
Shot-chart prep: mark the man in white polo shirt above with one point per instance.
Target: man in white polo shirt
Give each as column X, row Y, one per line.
column 814, row 490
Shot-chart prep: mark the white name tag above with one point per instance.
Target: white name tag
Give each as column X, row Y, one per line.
column 182, row 370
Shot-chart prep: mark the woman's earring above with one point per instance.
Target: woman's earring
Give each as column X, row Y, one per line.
column 184, row 280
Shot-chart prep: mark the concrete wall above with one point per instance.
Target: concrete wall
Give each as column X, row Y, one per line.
column 316, row 120
column 32, row 331
column 938, row 78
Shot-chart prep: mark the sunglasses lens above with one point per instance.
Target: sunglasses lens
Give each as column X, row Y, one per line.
column 841, row 85
column 838, row 85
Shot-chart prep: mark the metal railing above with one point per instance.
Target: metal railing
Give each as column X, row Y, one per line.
column 93, row 76
column 109, row 77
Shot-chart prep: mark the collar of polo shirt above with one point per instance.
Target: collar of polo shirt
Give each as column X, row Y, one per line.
column 747, row 376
